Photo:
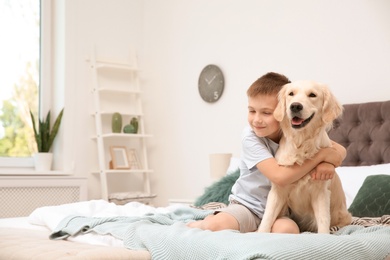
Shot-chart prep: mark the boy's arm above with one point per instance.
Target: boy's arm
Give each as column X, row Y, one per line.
column 284, row 175
column 341, row 150
column 324, row 170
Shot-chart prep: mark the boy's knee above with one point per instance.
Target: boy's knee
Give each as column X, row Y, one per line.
column 285, row 225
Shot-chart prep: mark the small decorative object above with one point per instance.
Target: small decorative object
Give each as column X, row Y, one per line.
column 44, row 137
column 119, row 157
column 131, row 128
column 133, row 160
column 211, row 83
column 116, row 123
column 134, row 123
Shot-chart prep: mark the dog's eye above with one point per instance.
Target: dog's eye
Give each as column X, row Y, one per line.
column 312, row 95
column 291, row 93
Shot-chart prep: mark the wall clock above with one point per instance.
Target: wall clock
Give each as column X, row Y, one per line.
column 211, row 83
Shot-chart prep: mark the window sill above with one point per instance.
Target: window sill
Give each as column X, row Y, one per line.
column 17, row 172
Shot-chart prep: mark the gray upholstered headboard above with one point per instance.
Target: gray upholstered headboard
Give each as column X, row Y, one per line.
column 364, row 129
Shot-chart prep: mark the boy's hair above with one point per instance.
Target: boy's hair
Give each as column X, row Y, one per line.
column 268, row 84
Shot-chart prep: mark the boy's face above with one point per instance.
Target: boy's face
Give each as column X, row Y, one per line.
column 261, row 118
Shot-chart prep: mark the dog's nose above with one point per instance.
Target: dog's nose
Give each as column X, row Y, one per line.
column 296, row 107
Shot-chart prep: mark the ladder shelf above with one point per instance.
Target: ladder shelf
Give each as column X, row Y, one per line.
column 116, row 89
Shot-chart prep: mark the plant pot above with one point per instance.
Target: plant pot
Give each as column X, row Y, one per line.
column 43, row 161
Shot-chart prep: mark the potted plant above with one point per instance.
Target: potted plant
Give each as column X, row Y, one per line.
column 44, row 137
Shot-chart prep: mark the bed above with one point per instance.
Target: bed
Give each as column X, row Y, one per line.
column 97, row 229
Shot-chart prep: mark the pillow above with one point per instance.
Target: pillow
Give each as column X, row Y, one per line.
column 219, row 191
column 352, row 177
column 373, row 198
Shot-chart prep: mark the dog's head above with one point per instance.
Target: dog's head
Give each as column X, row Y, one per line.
column 307, row 102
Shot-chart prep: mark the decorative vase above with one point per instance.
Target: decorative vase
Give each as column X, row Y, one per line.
column 43, row 161
column 134, row 123
column 116, row 123
column 129, row 129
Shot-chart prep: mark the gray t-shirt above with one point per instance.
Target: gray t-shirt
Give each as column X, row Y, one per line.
column 252, row 187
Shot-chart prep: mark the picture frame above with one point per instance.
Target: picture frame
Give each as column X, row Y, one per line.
column 119, row 157
column 134, row 162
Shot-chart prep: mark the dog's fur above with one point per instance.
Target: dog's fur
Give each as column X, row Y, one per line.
column 306, row 110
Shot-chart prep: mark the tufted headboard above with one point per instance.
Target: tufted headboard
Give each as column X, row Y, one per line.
column 364, row 130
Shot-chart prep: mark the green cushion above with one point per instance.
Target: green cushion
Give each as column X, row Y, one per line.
column 373, row 198
column 219, row 191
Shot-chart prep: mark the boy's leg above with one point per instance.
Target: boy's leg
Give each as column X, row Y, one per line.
column 236, row 216
column 285, row 225
column 217, row 222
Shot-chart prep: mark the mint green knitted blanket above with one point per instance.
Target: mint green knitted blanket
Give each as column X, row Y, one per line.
column 166, row 236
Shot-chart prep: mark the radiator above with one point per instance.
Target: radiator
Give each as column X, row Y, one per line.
column 19, row 196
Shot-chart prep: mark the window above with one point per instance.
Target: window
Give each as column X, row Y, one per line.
column 25, row 31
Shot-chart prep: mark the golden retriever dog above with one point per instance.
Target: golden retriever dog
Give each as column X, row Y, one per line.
column 306, row 111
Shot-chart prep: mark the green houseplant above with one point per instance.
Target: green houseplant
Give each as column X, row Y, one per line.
column 43, row 135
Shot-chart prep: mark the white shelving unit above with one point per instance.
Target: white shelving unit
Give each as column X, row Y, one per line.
column 116, row 88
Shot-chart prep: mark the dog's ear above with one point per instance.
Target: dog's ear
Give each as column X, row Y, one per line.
column 280, row 109
column 332, row 109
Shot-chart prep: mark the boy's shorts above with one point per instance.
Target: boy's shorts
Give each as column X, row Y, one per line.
column 247, row 220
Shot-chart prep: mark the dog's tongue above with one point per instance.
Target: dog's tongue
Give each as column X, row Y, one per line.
column 297, row 121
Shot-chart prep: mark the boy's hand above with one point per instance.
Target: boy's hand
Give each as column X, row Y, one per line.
column 324, row 171
column 334, row 155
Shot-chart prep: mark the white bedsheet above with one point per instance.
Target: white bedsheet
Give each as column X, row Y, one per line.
column 20, row 222
column 50, row 216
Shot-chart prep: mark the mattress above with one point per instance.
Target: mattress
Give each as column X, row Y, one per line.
column 36, row 245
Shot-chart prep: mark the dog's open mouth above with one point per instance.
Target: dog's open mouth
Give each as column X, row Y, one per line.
column 298, row 122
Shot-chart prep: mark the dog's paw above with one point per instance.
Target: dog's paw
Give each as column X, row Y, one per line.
column 323, row 231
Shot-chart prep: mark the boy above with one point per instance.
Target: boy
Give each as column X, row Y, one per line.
column 259, row 167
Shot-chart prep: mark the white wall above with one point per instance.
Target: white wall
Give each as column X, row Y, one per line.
column 342, row 43
column 112, row 26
